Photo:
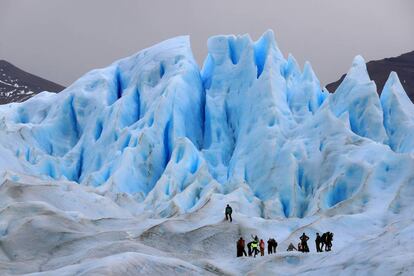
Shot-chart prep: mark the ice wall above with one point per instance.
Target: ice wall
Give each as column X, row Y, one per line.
column 249, row 123
column 115, row 126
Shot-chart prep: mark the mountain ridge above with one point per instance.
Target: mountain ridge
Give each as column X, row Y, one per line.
column 17, row 85
column 379, row 70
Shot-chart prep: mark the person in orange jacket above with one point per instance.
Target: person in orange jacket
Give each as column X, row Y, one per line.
column 262, row 247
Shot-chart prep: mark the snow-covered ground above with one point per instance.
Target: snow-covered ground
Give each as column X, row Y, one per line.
column 129, row 169
column 67, row 229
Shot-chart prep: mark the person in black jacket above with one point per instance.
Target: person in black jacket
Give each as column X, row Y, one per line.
column 270, row 246
column 329, row 238
column 318, row 242
column 249, row 249
column 326, row 240
column 304, row 243
column 323, row 241
column 228, row 212
column 274, row 244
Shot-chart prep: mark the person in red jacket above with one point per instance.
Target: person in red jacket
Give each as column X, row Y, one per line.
column 262, row 247
column 240, row 248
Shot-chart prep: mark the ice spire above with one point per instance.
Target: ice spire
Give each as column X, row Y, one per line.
column 357, row 94
column 398, row 115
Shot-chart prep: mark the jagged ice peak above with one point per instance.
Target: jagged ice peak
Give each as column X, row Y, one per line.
column 249, row 123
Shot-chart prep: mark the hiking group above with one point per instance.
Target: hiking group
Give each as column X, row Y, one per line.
column 257, row 246
column 321, row 241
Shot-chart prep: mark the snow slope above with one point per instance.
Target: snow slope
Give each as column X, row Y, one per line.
column 44, row 232
column 159, row 147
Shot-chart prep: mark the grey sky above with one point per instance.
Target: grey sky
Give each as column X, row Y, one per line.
column 61, row 40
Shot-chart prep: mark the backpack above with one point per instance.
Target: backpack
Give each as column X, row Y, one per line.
column 229, row 210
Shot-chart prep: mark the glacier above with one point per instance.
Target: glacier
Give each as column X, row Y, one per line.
column 147, row 152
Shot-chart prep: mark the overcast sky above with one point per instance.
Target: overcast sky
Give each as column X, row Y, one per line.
column 61, row 40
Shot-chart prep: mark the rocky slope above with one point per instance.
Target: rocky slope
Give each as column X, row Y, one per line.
column 17, row 85
column 379, row 71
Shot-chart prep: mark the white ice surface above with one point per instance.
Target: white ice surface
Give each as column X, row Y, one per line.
column 44, row 232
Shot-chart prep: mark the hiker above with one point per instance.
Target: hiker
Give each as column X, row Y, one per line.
column 329, row 238
column 323, row 241
column 249, row 248
column 300, row 248
column 228, row 211
column 270, row 246
column 255, row 245
column 326, row 240
column 240, row 248
column 291, row 247
column 318, row 242
column 274, row 245
column 262, row 247
column 304, row 242
column 239, row 254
